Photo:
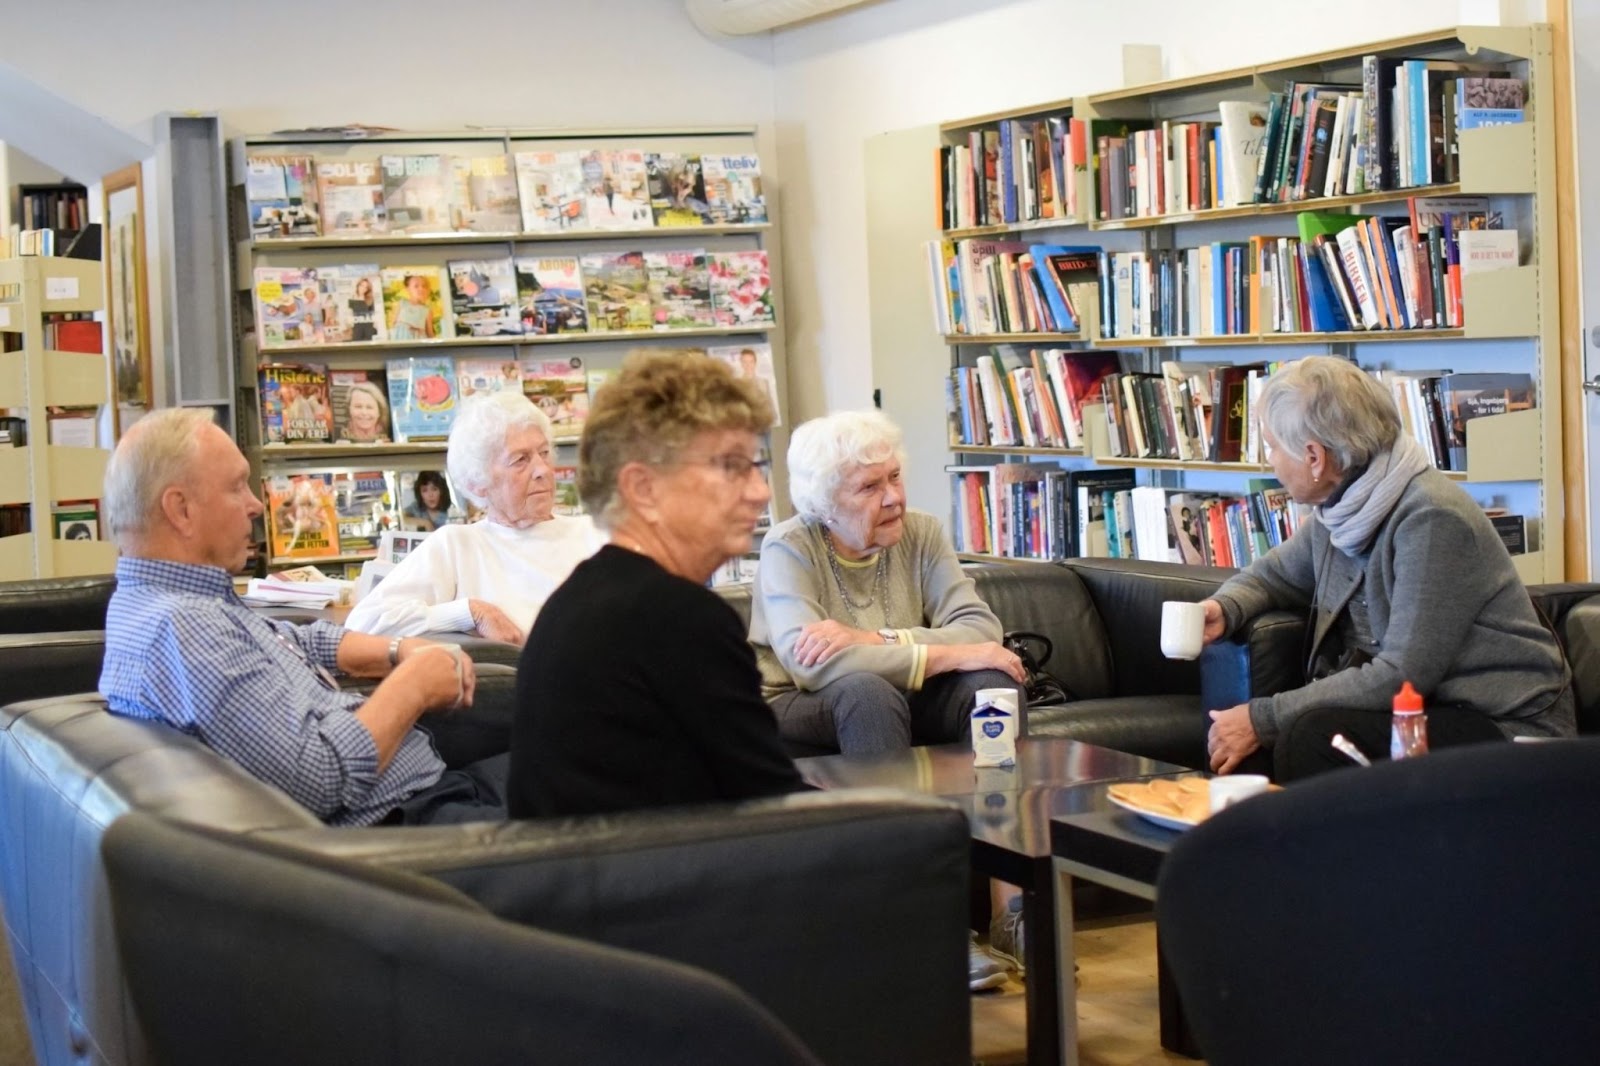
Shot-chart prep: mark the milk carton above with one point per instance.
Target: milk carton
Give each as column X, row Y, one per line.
column 994, row 727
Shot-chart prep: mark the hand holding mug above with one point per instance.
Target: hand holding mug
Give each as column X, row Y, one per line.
column 1183, row 628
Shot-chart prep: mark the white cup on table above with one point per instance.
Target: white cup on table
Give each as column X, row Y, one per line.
column 1226, row 791
column 1183, row 628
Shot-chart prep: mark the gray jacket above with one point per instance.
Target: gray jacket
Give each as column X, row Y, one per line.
column 1443, row 606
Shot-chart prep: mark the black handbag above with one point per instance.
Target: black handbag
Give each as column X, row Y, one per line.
column 1041, row 687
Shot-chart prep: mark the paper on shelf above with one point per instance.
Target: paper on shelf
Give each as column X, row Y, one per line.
column 60, row 288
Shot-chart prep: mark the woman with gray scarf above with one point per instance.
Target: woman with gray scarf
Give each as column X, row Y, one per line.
column 1405, row 580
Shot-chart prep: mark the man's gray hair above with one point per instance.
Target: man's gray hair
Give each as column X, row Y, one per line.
column 479, row 436
column 1333, row 402
column 823, row 450
column 156, row 453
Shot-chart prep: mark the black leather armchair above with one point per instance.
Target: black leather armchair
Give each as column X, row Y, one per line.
column 51, row 605
column 1437, row 910
column 246, row 952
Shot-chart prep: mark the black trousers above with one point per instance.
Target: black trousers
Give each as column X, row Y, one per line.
column 474, row 793
column 1304, row 749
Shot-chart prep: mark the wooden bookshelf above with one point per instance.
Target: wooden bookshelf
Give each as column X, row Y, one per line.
column 1510, row 164
column 598, row 349
column 34, row 379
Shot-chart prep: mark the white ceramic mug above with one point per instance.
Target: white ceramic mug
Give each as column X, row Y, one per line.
column 1183, row 628
column 1226, row 791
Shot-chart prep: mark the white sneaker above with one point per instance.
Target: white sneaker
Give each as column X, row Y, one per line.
column 982, row 971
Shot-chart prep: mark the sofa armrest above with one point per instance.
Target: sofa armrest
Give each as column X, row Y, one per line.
column 843, row 912
column 1265, row 657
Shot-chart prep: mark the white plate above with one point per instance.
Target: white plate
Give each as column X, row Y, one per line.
column 1166, row 821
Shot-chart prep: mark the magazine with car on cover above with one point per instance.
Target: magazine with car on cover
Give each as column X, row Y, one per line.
column 550, row 293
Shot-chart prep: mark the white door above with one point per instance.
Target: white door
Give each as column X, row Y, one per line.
column 1584, row 18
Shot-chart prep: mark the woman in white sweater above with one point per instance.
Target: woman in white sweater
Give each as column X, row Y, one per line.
column 490, row 577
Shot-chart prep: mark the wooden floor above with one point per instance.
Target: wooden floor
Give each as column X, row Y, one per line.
column 1117, row 1016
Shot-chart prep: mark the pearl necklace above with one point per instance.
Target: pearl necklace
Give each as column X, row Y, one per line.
column 880, row 583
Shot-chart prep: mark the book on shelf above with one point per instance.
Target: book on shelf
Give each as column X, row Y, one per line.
column 414, row 303
column 281, row 196
column 364, row 506
column 677, row 189
column 680, row 289
column 1464, row 397
column 73, row 427
column 487, row 375
column 353, row 303
column 302, row 518
column 550, row 293
column 294, row 403
column 753, row 362
column 1512, row 530
column 360, row 401
column 567, row 499
column 741, row 288
column 416, row 193
column 485, row 196
column 483, row 297
column 350, row 193
column 75, row 520
column 616, row 288
column 616, row 189
column 1485, row 250
column 74, row 332
column 62, row 207
column 733, row 189
column 1090, row 491
column 290, row 309
column 561, row 390
column 552, row 191
column 422, row 397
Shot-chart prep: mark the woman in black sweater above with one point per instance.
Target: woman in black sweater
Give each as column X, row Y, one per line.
column 637, row 687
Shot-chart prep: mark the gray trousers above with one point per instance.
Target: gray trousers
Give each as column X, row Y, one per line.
column 865, row 715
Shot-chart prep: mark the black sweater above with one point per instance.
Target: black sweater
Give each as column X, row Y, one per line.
column 637, row 688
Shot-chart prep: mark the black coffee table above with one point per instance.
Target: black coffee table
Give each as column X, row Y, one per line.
column 1010, row 812
column 1116, row 848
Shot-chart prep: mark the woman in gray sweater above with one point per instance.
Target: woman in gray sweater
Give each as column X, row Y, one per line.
column 868, row 635
column 1405, row 580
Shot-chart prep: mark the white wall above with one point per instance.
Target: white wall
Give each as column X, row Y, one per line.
column 903, row 63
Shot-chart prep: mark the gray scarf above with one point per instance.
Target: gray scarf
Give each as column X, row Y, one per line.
column 1367, row 501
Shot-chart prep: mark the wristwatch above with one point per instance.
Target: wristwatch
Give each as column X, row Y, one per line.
column 394, row 652
column 889, row 636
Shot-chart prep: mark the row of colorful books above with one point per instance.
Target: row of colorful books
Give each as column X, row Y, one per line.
column 1018, row 170
column 524, row 192
column 415, row 398
column 601, row 292
column 1033, row 399
column 986, row 286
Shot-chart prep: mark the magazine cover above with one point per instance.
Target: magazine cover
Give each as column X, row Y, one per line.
column 290, row 310
column 617, row 193
column 426, row 501
column 677, row 192
column 733, row 189
column 364, row 503
column 550, row 291
column 350, row 194
column 753, row 362
column 360, row 406
column 294, row 403
column 354, row 295
column 567, row 501
column 617, row 290
column 416, row 193
column 483, row 297
column 486, row 200
column 302, row 522
column 561, row 389
column 414, row 304
column 80, row 519
column 281, row 191
column 422, row 397
column 551, row 188
column 741, row 289
column 487, row 375
column 680, row 289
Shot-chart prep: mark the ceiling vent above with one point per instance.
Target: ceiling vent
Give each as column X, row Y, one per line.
column 737, row 17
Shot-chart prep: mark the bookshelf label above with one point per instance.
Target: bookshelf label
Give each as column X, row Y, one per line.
column 60, row 288
column 5, row 317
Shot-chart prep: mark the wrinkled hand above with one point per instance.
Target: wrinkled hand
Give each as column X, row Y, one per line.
column 494, row 624
column 993, row 656
column 1216, row 622
column 1232, row 737
column 442, row 674
column 821, row 641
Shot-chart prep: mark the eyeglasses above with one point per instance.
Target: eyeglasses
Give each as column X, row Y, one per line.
column 735, row 467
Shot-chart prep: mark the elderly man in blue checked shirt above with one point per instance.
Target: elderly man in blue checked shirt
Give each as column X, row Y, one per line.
column 182, row 649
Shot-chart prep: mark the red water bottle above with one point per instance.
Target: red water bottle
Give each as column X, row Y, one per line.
column 1410, row 730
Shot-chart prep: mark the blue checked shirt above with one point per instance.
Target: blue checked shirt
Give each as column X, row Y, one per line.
column 182, row 649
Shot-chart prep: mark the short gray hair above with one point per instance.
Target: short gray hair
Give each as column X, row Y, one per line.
column 479, row 436
column 823, row 450
column 1333, row 402
column 157, row 452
